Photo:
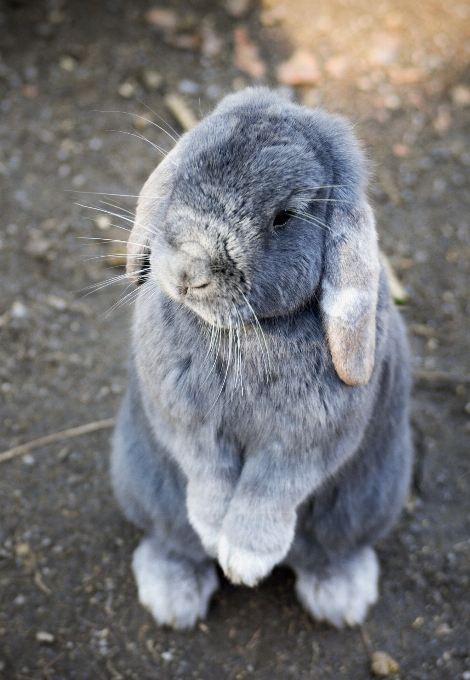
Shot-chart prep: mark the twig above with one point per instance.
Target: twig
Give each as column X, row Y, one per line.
column 53, row 661
column 440, row 378
column 181, row 111
column 37, row 580
column 366, row 642
column 115, row 673
column 57, row 437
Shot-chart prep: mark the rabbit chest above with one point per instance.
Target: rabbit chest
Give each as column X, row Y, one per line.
column 248, row 388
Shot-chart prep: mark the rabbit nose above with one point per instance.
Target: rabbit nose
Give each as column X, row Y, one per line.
column 191, row 267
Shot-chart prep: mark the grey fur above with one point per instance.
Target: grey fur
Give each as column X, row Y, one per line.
column 277, row 439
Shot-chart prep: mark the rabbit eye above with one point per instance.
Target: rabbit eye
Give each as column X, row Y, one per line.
column 281, row 218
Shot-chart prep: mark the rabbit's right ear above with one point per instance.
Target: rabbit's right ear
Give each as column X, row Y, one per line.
column 152, row 205
column 349, row 292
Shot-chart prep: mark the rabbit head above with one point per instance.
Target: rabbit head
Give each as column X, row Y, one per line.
column 261, row 209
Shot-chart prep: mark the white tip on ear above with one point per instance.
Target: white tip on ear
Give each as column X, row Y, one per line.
column 349, row 293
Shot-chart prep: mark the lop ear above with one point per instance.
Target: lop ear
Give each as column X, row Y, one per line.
column 349, row 292
column 152, row 205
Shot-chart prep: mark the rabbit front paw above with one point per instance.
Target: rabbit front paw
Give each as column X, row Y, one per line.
column 243, row 566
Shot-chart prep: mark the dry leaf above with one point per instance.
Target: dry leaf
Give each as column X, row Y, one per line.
column 164, row 19
column 300, row 69
column 246, row 55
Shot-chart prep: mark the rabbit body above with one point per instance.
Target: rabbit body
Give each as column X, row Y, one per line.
column 266, row 416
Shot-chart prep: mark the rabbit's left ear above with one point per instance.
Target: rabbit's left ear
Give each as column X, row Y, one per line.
column 349, row 292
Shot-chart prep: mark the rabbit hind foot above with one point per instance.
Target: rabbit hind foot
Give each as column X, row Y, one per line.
column 176, row 591
column 344, row 595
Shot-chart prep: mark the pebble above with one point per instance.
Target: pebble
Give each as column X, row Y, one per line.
column 383, row 665
column 95, row 144
column 22, row 549
column 68, row 63
column 301, row 69
column 188, row 87
column 44, row 637
column 236, row 8
column 152, row 79
column 103, row 222
column 417, row 623
column 28, row 459
column 127, row 89
column 19, row 310
column 461, row 95
column 443, row 629
column 163, row 19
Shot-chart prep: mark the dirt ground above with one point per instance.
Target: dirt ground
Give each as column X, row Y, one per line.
column 401, row 73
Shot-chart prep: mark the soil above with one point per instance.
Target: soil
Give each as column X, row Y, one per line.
column 400, row 72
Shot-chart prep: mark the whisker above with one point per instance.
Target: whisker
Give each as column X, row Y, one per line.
column 128, row 113
column 261, row 330
column 226, row 370
column 164, row 121
column 139, row 136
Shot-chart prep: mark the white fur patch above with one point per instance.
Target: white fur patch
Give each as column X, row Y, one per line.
column 176, row 593
column 344, row 597
column 245, row 566
column 347, row 304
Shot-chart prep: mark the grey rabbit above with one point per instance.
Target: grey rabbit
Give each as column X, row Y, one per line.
column 266, row 416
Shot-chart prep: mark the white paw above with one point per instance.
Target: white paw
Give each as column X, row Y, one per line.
column 245, row 566
column 345, row 596
column 176, row 592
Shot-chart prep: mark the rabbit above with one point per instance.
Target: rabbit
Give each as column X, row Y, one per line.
column 266, row 416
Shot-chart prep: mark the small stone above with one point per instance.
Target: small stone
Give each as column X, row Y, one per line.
column 68, row 63
column 56, row 302
column 152, row 79
column 417, row 623
column 127, row 89
column 22, row 549
column 44, row 637
column 212, row 44
column 188, row 87
column 28, row 459
column 443, row 120
column 95, row 144
column 167, row 656
column 246, row 55
column 184, row 41
column 301, row 69
column 383, row 665
column 38, row 247
column 443, row 629
column 163, row 19
column 103, row 222
column 236, row 8
column 384, row 52
column 461, row 95
column 19, row 310
column 401, row 150
column 406, row 76
column 392, row 101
